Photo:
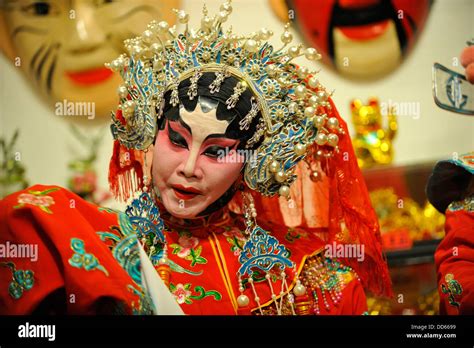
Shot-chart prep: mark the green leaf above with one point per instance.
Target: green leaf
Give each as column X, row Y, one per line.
column 45, row 192
column 45, row 209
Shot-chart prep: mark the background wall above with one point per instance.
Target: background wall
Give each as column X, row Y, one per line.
column 46, row 144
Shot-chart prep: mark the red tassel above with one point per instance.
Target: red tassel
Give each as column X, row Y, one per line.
column 125, row 170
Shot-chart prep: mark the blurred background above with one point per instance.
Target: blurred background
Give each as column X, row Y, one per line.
column 377, row 56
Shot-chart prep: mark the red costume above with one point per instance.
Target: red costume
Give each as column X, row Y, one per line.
column 450, row 191
column 78, row 268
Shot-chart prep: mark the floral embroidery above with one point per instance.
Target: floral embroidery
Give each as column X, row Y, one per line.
column 22, row 280
column 188, row 249
column 452, row 288
column 236, row 240
column 37, row 198
column 182, row 294
column 295, row 233
column 81, row 259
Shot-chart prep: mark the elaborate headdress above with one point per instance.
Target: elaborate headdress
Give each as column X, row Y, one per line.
column 298, row 122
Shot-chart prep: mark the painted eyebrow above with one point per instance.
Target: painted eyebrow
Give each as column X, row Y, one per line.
column 208, row 137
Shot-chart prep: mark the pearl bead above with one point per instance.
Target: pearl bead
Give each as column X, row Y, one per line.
column 163, row 27
column 226, row 7
column 243, row 300
column 312, row 54
column 265, row 33
column 183, row 17
column 309, row 112
column 314, row 100
column 128, row 108
column 300, row 91
column 299, row 290
column 251, row 46
column 322, row 95
column 321, row 139
column 302, row 72
column 274, row 167
column 122, row 91
column 257, row 299
column 280, row 176
column 267, row 276
column 333, row 123
column 147, row 36
column 156, row 47
column 300, row 149
column 286, row 37
column 250, row 280
column 163, row 261
column 319, row 121
column 284, row 191
column 136, row 50
column 241, row 289
column 223, row 15
column 294, row 51
column 313, row 82
column 333, row 139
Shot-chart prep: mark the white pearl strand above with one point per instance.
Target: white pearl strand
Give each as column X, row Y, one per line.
column 274, row 297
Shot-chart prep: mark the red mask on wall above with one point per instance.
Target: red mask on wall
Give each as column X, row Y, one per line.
column 360, row 38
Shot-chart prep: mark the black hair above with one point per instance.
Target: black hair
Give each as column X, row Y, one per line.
column 232, row 116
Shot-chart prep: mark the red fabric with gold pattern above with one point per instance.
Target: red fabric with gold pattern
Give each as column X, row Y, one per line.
column 454, row 260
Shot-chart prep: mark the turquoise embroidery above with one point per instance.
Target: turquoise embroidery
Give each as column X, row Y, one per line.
column 467, row 204
column 81, row 259
column 22, row 280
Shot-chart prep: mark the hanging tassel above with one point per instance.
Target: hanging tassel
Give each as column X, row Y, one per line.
column 125, row 170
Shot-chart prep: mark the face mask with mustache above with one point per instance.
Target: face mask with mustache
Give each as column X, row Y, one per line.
column 61, row 47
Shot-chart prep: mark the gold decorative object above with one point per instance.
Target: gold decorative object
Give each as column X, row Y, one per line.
column 372, row 142
column 396, row 213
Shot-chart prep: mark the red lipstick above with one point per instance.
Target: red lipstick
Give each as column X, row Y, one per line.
column 185, row 193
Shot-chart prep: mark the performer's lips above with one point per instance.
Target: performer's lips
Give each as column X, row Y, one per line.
column 365, row 32
column 185, row 193
column 89, row 77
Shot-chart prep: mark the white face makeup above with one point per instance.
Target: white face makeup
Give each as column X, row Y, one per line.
column 186, row 170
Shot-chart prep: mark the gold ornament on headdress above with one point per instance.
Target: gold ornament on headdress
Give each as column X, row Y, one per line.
column 288, row 97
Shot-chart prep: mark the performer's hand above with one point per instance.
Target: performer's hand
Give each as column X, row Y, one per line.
column 467, row 61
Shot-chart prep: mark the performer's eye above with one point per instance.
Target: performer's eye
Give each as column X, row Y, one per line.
column 176, row 138
column 215, row 151
column 102, row 2
column 39, row 8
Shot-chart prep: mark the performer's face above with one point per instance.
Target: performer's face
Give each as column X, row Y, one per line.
column 189, row 155
column 62, row 45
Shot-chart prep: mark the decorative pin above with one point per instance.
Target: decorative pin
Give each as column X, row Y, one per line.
column 247, row 120
column 234, row 98
column 215, row 86
column 193, row 89
column 174, row 94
